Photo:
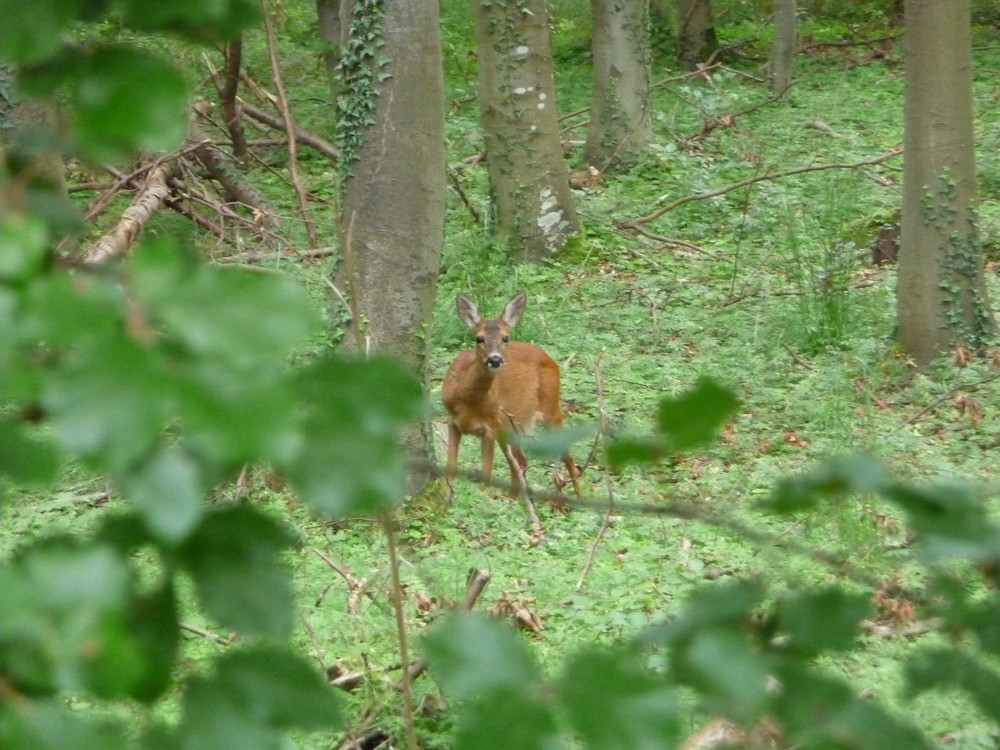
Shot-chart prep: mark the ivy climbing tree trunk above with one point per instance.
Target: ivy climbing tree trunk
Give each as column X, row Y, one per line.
column 779, row 64
column 393, row 189
column 535, row 213
column 619, row 114
column 696, row 39
column 941, row 302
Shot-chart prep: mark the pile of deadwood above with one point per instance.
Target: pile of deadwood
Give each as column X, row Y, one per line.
column 205, row 179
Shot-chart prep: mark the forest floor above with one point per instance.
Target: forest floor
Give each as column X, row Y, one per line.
column 769, row 288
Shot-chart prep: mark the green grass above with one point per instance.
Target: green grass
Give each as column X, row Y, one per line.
column 776, row 300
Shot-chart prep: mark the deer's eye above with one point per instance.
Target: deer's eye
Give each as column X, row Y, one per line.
column 506, row 339
column 480, row 339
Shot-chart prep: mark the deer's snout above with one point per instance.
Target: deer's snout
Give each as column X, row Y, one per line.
column 494, row 361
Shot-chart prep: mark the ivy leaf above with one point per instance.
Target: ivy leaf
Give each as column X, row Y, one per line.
column 234, row 557
column 474, row 656
column 692, row 419
column 615, row 704
column 167, row 489
column 355, row 409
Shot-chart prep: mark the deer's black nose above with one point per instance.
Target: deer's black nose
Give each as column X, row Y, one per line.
column 494, row 361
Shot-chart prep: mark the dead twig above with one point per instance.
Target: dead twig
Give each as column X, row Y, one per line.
column 402, row 636
column 286, row 116
column 609, row 514
column 209, row 635
column 768, row 176
column 304, row 137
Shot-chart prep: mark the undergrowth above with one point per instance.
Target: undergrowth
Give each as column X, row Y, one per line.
column 767, row 289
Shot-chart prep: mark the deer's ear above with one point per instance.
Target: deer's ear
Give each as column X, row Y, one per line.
column 467, row 311
column 514, row 310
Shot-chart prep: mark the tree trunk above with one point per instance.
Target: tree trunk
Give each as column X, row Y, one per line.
column 393, row 202
column 619, row 114
column 31, row 153
column 779, row 65
column 530, row 181
column 941, row 297
column 331, row 37
column 696, row 40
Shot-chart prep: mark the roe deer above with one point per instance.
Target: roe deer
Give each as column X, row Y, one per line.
column 500, row 388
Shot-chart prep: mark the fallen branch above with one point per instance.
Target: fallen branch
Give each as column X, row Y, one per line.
column 236, row 186
column 304, row 137
column 357, row 587
column 116, row 242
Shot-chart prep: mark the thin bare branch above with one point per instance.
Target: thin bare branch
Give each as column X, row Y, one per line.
column 286, row 116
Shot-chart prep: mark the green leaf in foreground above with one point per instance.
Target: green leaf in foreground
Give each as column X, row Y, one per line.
column 353, row 460
column 253, row 697
column 507, row 719
column 109, row 403
column 614, row 703
column 949, row 521
column 693, row 419
column 234, row 558
column 26, row 458
column 822, row 620
column 30, row 32
column 243, row 318
column 953, row 667
column 126, row 99
column 473, row 656
column 24, row 243
column 63, row 626
column 167, row 490
column 47, row 725
column 833, row 477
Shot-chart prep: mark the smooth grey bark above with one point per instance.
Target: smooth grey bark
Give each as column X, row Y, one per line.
column 941, row 296
column 619, row 113
column 535, row 213
column 779, row 64
column 330, row 27
column 393, row 198
column 696, row 39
